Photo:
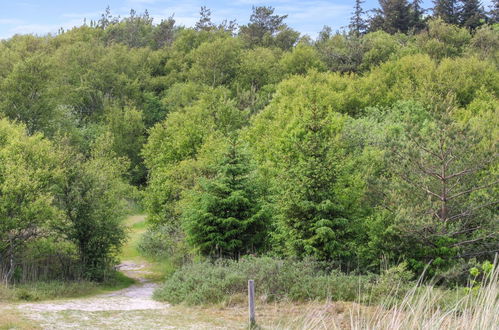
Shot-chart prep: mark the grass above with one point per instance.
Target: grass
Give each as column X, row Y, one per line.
column 298, row 290
column 38, row 291
column 137, row 226
column 12, row 319
column 421, row 308
column 158, row 269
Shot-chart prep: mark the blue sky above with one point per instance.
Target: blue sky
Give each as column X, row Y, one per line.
column 47, row 16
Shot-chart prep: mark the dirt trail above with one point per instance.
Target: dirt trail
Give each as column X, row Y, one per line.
column 101, row 311
column 130, row 308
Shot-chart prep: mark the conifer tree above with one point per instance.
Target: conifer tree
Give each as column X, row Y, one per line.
column 472, row 14
column 204, row 23
column 311, row 220
column 493, row 14
column 267, row 29
column 447, row 10
column 393, row 16
column 417, row 13
column 224, row 218
column 357, row 23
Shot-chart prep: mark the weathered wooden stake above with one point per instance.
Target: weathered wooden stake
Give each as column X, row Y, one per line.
column 251, row 303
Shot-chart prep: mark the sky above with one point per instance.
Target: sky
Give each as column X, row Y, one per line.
column 47, row 16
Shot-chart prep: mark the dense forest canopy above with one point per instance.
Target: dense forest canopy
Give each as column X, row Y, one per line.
column 376, row 144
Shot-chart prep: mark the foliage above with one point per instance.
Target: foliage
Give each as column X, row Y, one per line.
column 333, row 132
column 28, row 176
column 276, row 279
column 91, row 197
column 267, row 29
column 428, row 306
column 26, row 95
column 223, row 218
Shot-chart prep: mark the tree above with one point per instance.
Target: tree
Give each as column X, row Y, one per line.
column 296, row 140
column 215, row 63
column 300, row 60
column 472, row 14
column 172, row 144
column 91, row 197
column 266, row 29
column 204, row 23
column 339, row 52
column 224, row 217
column 258, row 67
column 128, row 135
column 442, row 196
column 493, row 14
column 107, row 19
column 447, row 10
column 311, row 221
column 417, row 12
column 393, row 16
column 358, row 25
column 26, row 94
column 164, row 33
column 28, row 175
column 442, row 40
column 133, row 31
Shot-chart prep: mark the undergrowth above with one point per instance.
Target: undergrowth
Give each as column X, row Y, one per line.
column 277, row 280
column 37, row 291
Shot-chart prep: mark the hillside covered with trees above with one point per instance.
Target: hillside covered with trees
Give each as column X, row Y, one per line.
column 363, row 148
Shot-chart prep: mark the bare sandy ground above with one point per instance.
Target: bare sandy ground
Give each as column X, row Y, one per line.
column 122, row 309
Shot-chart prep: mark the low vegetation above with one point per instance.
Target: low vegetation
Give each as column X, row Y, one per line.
column 40, row 290
column 391, row 300
column 420, row 308
column 225, row 281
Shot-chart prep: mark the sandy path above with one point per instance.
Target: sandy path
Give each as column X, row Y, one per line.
column 122, row 309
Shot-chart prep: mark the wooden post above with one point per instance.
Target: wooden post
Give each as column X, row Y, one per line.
column 251, row 303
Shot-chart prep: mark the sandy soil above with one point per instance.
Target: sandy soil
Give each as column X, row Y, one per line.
column 102, row 311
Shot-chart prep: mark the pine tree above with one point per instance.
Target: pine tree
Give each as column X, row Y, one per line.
column 224, row 218
column 204, row 23
column 393, row 16
column 493, row 14
column 447, row 10
column 358, row 24
column 472, row 14
column 267, row 29
column 417, row 12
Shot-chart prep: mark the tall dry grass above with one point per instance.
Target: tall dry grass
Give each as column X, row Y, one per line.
column 423, row 307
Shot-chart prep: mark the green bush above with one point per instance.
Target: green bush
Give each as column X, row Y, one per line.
column 275, row 279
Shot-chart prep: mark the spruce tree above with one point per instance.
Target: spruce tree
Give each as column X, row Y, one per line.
column 417, row 12
column 224, row 218
column 311, row 218
column 204, row 23
column 357, row 23
column 472, row 14
column 393, row 16
column 447, row 10
column 493, row 14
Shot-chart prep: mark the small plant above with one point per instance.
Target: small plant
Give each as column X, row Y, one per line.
column 480, row 274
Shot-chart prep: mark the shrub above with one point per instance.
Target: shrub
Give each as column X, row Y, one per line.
column 276, row 279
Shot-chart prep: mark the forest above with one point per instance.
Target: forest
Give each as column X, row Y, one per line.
column 362, row 149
